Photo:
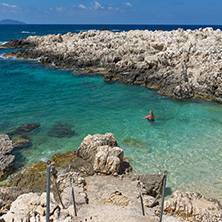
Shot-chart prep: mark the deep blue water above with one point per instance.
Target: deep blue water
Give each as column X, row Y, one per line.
column 185, row 139
column 23, row 31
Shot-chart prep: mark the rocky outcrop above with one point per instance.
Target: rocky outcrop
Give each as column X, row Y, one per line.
column 29, row 207
column 151, row 184
column 34, row 178
column 19, row 136
column 99, row 195
column 8, row 195
column 182, row 64
column 6, row 159
column 20, row 43
column 21, row 142
column 103, row 152
column 98, row 198
column 194, row 207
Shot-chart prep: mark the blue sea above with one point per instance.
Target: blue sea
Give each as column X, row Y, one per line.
column 185, row 139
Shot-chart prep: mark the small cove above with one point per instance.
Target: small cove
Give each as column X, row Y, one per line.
column 184, row 140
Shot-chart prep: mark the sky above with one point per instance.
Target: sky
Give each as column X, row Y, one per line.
column 199, row 12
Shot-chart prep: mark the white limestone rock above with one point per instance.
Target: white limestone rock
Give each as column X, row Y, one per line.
column 194, row 206
column 103, row 152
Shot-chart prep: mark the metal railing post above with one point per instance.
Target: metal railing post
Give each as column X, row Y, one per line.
column 141, row 198
column 48, row 193
column 163, row 194
column 73, row 195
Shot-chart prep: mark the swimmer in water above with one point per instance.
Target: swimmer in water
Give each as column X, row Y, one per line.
column 149, row 117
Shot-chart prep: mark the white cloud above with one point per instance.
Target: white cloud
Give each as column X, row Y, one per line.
column 9, row 6
column 128, row 4
column 113, row 8
column 60, row 9
column 97, row 5
column 82, row 6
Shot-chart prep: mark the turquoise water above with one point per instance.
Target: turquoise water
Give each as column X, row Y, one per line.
column 185, row 139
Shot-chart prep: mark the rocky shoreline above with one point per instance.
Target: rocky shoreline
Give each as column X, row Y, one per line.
column 106, row 189
column 182, row 64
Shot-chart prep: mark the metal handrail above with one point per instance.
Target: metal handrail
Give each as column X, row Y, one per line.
column 51, row 169
column 155, row 200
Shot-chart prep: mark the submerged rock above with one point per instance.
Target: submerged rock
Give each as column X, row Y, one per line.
column 21, row 142
column 61, row 129
column 135, row 143
column 23, row 129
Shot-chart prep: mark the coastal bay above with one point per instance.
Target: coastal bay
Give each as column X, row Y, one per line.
column 185, row 139
column 184, row 64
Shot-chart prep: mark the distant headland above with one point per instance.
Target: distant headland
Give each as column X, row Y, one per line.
column 11, row 22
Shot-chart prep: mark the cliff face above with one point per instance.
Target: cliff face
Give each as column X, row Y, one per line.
column 182, row 64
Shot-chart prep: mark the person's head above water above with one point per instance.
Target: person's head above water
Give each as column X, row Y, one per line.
column 151, row 112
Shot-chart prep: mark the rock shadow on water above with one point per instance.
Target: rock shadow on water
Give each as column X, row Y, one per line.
column 168, row 191
column 61, row 129
column 91, row 85
column 24, row 129
column 20, row 159
column 131, row 142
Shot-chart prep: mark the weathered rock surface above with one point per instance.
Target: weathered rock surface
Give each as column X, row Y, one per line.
column 103, row 152
column 5, row 144
column 29, row 207
column 34, row 178
column 82, row 166
column 98, row 198
column 6, row 159
column 194, row 207
column 182, row 64
column 152, row 184
column 102, row 197
column 8, row 195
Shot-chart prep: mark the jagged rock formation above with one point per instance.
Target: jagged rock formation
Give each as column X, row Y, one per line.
column 8, row 195
column 6, row 159
column 103, row 152
column 182, row 64
column 194, row 207
column 101, row 197
column 34, row 178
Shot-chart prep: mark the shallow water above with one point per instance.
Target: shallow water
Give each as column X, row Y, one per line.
column 185, row 139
